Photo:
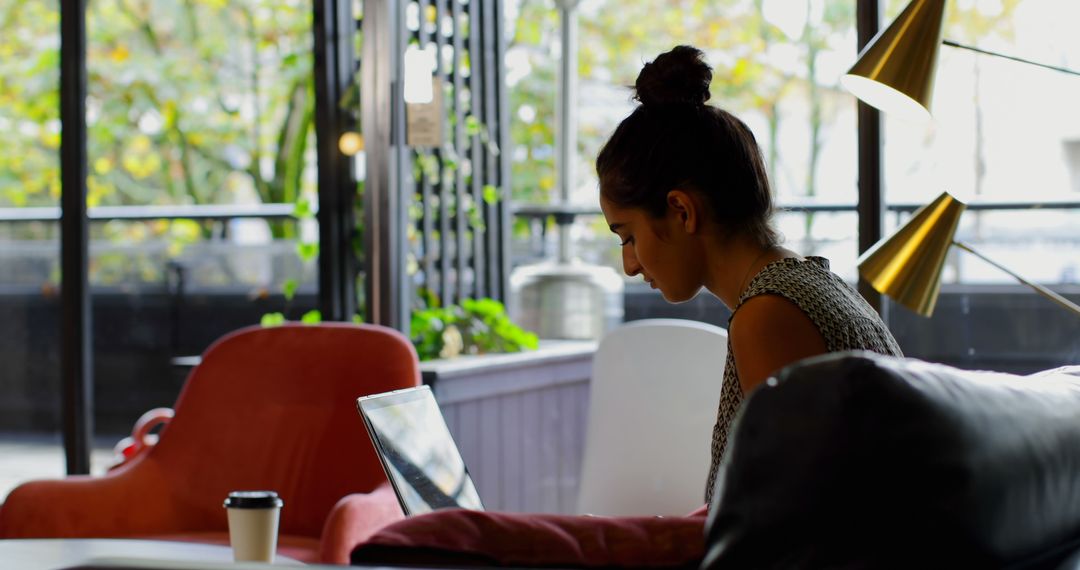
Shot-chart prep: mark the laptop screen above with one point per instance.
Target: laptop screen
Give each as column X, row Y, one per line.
column 417, row 451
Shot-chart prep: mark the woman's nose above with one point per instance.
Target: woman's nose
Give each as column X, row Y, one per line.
column 629, row 262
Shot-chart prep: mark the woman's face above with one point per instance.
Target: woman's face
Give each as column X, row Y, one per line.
column 659, row 249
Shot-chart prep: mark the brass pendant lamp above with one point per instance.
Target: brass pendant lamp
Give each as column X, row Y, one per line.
column 907, row 266
column 896, row 69
column 895, row 73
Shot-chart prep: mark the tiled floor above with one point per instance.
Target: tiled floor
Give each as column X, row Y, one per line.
column 31, row 456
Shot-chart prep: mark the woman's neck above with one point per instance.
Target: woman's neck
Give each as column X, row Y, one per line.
column 733, row 263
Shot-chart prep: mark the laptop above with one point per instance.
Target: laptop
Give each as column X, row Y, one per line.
column 420, row 457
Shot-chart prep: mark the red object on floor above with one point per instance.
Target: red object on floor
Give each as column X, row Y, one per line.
column 268, row 408
column 141, row 439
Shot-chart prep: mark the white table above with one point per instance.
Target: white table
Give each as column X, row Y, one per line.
column 52, row 554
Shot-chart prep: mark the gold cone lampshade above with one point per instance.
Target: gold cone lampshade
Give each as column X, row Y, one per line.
column 907, row 266
column 895, row 71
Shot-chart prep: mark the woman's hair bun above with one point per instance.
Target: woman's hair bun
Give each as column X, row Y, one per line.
column 679, row 76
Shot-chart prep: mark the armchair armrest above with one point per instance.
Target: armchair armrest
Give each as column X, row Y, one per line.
column 354, row 519
column 124, row 502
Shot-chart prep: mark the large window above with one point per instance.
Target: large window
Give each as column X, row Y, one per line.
column 1004, row 133
column 29, row 250
column 194, row 106
column 776, row 66
column 201, row 191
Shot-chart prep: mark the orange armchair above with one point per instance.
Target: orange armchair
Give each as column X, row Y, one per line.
column 268, row 408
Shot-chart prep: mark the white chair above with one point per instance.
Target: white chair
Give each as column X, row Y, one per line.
column 652, row 405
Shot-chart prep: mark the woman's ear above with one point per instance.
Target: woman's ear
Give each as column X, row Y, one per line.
column 686, row 208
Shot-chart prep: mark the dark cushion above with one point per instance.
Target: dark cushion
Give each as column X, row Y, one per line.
column 855, row 460
column 461, row 538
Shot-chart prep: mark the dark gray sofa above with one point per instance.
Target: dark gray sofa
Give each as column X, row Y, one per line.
column 861, row 461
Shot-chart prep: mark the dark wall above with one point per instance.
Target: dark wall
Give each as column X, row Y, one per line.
column 993, row 327
column 136, row 336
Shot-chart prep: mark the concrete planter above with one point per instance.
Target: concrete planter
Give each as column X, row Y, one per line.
column 519, row 420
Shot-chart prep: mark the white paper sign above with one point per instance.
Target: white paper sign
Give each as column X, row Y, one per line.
column 423, row 121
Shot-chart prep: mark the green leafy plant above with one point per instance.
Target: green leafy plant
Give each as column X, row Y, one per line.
column 476, row 326
column 308, row 253
column 312, row 317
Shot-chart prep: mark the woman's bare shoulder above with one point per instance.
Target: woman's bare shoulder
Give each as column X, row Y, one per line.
column 767, row 333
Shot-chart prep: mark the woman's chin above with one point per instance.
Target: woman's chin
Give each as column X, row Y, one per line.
column 676, row 297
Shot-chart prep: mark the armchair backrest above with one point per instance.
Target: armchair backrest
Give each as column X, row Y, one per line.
column 274, row 408
column 652, row 404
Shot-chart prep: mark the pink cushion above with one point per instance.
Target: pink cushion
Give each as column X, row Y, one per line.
column 702, row 511
column 505, row 539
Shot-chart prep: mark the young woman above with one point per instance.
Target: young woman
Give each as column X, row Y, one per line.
column 683, row 185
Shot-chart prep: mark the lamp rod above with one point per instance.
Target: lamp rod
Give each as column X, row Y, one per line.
column 1014, row 58
column 1039, row 288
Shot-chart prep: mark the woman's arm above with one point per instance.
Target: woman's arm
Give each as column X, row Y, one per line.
column 769, row 332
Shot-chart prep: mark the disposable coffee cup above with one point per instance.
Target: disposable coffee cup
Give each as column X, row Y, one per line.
column 253, row 524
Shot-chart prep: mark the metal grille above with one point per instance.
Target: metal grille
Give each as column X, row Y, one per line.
column 458, row 243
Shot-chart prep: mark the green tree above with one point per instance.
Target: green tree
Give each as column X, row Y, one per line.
column 534, row 31
column 29, row 103
column 188, row 101
column 185, row 95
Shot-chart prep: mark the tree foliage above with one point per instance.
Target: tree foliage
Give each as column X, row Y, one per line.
column 189, row 101
column 532, row 100
column 29, row 103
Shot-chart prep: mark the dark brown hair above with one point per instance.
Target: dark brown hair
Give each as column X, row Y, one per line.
column 674, row 140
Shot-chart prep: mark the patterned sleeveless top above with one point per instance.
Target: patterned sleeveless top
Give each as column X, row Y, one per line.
column 844, row 319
